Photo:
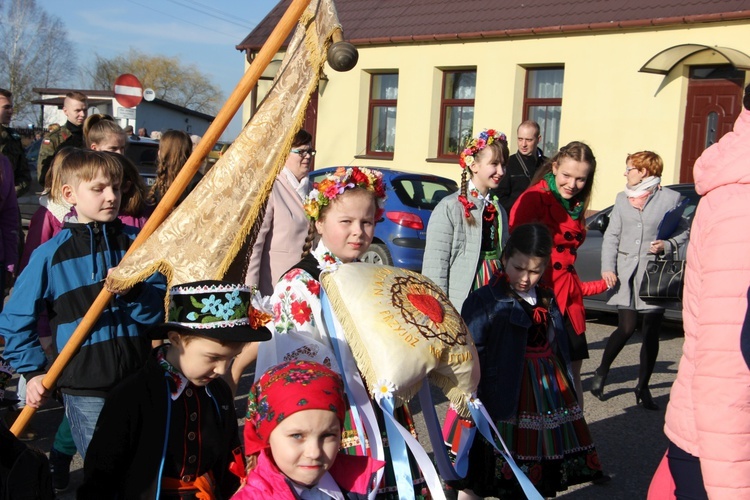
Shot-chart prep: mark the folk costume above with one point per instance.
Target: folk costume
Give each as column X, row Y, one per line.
column 301, row 335
column 280, row 392
column 160, row 436
column 466, row 233
column 541, row 204
column 528, row 392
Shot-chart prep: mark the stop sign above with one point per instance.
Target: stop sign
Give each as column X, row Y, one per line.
column 128, row 90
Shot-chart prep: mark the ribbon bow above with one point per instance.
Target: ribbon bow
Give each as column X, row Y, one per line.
column 468, row 206
column 540, row 315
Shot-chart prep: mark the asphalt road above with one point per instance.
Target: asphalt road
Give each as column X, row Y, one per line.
column 630, row 439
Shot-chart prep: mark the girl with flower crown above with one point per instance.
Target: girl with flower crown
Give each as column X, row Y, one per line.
column 468, row 229
column 344, row 207
column 558, row 197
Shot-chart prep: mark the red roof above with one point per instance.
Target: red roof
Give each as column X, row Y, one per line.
column 399, row 21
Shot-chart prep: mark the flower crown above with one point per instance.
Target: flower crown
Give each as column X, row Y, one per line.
column 339, row 181
column 475, row 145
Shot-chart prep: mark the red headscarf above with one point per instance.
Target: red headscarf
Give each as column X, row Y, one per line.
column 286, row 389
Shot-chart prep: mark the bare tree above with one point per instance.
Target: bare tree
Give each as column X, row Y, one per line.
column 172, row 81
column 34, row 52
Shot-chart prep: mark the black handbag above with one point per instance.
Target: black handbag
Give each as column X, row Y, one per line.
column 664, row 277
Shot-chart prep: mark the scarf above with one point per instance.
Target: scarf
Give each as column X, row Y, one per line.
column 573, row 207
column 638, row 195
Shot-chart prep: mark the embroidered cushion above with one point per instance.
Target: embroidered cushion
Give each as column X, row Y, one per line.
column 402, row 329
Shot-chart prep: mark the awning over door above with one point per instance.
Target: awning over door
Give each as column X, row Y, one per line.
column 663, row 62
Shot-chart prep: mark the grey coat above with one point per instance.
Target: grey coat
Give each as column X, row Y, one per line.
column 627, row 239
column 453, row 246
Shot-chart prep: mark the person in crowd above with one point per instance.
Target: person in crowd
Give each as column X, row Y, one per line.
column 129, row 130
column 156, row 135
column 298, row 456
column 467, row 230
column 558, row 197
column 521, row 166
column 285, row 227
column 9, row 217
column 10, row 145
column 64, row 276
column 523, row 357
column 630, row 243
column 344, row 207
column 75, row 108
column 283, row 233
column 103, row 133
column 46, row 222
column 707, row 416
column 170, row 430
column 142, row 132
column 175, row 148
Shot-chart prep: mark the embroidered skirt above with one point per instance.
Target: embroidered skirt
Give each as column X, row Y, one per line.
column 549, row 438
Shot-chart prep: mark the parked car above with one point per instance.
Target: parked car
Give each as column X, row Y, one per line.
column 400, row 235
column 216, row 152
column 144, row 153
column 588, row 263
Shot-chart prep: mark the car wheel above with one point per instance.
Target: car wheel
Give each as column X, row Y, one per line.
column 377, row 254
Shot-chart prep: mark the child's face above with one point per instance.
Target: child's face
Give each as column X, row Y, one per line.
column 202, row 359
column 349, row 225
column 95, row 200
column 570, row 176
column 305, row 444
column 524, row 271
column 114, row 143
column 486, row 173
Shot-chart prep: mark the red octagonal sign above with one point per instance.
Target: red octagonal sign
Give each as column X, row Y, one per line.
column 128, row 90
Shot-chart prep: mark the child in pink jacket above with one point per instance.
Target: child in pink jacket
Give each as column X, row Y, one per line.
column 708, row 417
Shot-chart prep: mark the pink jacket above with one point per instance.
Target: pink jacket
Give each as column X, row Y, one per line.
column 709, row 409
column 281, row 238
column 353, row 474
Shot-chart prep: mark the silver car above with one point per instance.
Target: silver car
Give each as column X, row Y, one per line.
column 589, row 260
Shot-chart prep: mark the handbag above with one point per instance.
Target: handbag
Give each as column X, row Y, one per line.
column 664, row 277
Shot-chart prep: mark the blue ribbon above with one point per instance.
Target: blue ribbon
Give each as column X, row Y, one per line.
column 399, row 456
column 448, row 471
column 483, row 421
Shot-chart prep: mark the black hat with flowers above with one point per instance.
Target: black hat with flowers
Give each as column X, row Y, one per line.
column 215, row 309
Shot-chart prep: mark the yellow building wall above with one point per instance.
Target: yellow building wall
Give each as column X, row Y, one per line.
column 606, row 102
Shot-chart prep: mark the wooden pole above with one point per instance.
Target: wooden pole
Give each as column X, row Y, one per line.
column 217, row 127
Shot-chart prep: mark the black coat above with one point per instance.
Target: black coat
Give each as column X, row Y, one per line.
column 125, row 454
column 516, row 179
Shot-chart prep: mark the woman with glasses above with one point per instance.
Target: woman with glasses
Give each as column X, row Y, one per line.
column 629, row 244
column 558, row 197
column 283, row 233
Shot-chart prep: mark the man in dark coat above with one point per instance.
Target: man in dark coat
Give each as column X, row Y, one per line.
column 75, row 108
column 521, row 166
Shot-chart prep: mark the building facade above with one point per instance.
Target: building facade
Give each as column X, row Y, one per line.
column 620, row 77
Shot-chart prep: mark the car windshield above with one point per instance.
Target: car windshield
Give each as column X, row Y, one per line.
column 422, row 192
column 218, row 146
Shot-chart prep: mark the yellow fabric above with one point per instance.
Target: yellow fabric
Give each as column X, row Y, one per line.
column 402, row 329
column 200, row 239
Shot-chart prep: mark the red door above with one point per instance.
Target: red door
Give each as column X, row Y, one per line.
column 713, row 105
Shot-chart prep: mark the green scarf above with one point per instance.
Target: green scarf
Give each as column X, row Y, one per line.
column 574, row 211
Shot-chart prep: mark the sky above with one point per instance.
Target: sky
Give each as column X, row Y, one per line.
column 199, row 32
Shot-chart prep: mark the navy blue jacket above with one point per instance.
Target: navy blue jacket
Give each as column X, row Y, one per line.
column 65, row 275
column 499, row 326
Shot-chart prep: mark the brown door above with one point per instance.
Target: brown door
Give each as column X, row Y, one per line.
column 713, row 104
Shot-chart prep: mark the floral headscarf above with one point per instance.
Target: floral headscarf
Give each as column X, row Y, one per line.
column 286, row 389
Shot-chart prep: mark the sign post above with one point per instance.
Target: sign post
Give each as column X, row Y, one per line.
column 128, row 90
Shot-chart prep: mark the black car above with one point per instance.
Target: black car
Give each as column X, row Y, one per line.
column 144, row 153
column 588, row 262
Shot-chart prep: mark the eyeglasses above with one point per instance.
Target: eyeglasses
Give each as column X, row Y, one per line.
column 304, row 152
column 628, row 169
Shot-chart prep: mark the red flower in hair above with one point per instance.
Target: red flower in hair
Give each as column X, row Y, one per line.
column 468, row 206
column 358, row 177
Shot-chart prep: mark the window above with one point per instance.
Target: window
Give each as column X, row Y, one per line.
column 456, row 111
column 543, row 104
column 381, row 124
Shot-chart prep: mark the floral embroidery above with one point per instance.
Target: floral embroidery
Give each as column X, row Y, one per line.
column 301, row 312
column 180, row 382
